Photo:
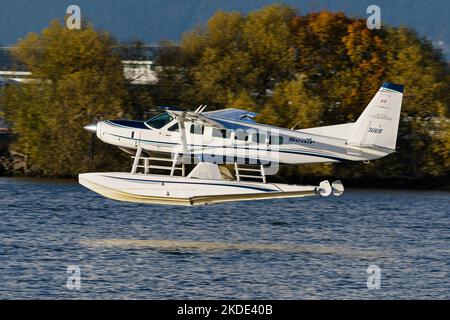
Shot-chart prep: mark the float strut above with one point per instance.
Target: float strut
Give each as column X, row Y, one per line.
column 136, row 160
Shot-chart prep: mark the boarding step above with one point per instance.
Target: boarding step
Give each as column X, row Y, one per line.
column 159, row 159
column 249, row 176
column 239, row 175
column 147, row 163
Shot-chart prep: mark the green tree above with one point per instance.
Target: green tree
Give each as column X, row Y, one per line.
column 235, row 53
column 241, row 101
column 77, row 77
column 424, row 121
column 292, row 104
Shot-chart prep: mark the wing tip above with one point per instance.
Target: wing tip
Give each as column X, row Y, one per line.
column 393, row 86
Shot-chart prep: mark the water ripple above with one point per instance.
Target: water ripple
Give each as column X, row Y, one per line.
column 312, row 248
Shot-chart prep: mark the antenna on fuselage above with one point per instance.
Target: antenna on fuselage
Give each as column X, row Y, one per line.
column 295, row 125
column 201, row 108
column 198, row 109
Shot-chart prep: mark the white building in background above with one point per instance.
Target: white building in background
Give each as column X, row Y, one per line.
column 135, row 71
column 140, row 72
column 3, row 81
column 16, row 76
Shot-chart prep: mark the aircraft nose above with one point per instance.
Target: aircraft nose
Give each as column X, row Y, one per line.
column 92, row 127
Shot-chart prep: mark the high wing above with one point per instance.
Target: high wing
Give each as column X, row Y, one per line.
column 232, row 114
column 193, row 116
column 207, row 118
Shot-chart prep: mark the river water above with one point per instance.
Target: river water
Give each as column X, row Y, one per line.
column 311, row 248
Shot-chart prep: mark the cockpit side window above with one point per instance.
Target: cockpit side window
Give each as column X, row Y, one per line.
column 174, row 128
column 159, row 121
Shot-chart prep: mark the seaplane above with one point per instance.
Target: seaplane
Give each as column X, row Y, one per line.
column 184, row 157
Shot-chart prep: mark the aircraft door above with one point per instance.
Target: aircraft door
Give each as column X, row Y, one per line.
column 136, row 137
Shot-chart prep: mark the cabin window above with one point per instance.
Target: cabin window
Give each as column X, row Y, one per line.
column 258, row 138
column 221, row 133
column 174, row 128
column 240, row 135
column 261, row 138
column 276, row 140
column 197, row 129
column 160, row 120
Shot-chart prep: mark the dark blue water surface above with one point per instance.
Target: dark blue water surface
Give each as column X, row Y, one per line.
column 311, row 248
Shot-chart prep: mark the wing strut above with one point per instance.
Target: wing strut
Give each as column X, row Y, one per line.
column 184, row 149
column 180, row 120
column 137, row 157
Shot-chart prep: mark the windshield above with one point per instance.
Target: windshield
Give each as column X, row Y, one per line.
column 159, row 121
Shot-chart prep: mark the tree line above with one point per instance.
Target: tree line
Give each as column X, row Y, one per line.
column 316, row 69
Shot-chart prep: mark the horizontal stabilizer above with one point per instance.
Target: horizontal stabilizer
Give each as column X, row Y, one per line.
column 339, row 131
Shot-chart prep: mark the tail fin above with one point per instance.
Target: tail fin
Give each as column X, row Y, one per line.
column 378, row 124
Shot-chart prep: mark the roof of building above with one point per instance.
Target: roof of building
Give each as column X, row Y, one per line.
column 4, row 81
column 3, row 123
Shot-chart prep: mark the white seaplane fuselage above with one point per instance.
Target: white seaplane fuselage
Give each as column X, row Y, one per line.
column 230, row 136
column 297, row 147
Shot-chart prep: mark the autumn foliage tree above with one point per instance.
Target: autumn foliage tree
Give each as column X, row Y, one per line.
column 320, row 69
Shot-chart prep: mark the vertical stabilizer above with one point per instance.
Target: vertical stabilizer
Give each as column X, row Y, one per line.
column 378, row 124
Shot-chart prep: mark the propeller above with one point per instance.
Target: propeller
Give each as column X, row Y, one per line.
column 92, row 128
